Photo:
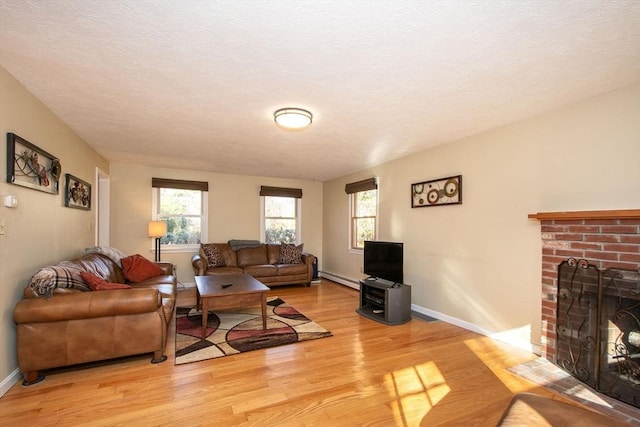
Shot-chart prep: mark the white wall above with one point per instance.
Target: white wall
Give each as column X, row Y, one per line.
column 234, row 210
column 41, row 230
column 479, row 263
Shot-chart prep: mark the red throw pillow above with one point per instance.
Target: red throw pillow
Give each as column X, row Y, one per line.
column 99, row 284
column 137, row 268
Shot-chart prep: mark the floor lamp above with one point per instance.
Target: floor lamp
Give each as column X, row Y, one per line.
column 157, row 229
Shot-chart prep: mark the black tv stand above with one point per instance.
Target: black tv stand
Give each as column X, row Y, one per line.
column 384, row 301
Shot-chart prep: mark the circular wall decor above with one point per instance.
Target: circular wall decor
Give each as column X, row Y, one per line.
column 437, row 192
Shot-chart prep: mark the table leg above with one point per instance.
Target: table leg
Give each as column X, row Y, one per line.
column 264, row 311
column 205, row 316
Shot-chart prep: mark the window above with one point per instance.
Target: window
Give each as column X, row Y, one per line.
column 280, row 212
column 182, row 204
column 280, row 223
column 363, row 211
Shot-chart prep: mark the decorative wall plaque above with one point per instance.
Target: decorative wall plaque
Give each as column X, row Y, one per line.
column 30, row 166
column 438, row 192
column 77, row 193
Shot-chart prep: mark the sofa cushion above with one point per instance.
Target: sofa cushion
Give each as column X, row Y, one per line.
column 137, row 268
column 223, row 270
column 273, row 252
column 291, row 254
column 213, row 254
column 291, row 269
column 264, row 270
column 100, row 265
column 113, row 254
column 99, row 284
column 252, row 256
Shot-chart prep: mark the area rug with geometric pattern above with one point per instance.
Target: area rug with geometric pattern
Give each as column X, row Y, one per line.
column 240, row 330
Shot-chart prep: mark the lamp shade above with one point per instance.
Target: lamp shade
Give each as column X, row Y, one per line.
column 157, row 228
column 293, row 118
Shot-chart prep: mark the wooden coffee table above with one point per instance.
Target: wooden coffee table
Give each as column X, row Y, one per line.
column 244, row 290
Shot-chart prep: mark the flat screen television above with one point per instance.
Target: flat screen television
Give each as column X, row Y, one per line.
column 383, row 260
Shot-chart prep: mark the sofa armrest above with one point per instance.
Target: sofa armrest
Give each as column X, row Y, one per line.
column 199, row 264
column 308, row 259
column 167, row 267
column 86, row 305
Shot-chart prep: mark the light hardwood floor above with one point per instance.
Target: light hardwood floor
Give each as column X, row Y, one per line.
column 366, row 374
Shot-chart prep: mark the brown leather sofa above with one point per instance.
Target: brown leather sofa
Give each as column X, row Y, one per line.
column 262, row 262
column 74, row 326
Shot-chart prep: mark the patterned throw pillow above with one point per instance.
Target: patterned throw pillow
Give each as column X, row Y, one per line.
column 213, row 254
column 290, row 253
column 57, row 276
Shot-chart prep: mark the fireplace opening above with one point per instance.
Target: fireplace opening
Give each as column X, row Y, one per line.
column 598, row 328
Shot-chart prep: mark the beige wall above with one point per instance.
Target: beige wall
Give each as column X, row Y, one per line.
column 40, row 230
column 479, row 263
column 234, row 210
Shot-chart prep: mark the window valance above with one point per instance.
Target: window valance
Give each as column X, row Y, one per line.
column 281, row 192
column 179, row 184
column 364, row 185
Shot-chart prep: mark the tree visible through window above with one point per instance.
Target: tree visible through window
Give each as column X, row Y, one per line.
column 363, row 217
column 182, row 210
column 183, row 205
column 280, row 219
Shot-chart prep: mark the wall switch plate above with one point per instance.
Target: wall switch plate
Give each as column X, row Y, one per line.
column 10, row 201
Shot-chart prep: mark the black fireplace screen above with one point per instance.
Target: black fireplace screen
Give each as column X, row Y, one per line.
column 598, row 328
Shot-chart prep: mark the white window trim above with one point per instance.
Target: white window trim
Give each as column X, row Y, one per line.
column 350, row 219
column 171, row 249
column 263, row 229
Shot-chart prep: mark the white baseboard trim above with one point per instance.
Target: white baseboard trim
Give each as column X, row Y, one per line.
column 8, row 382
column 354, row 284
column 537, row 349
column 507, row 337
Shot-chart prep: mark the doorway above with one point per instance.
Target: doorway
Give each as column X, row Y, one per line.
column 102, row 209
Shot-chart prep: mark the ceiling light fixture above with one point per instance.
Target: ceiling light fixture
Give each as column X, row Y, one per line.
column 293, row 118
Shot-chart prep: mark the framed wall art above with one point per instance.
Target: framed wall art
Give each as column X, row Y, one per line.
column 438, row 192
column 77, row 193
column 30, row 166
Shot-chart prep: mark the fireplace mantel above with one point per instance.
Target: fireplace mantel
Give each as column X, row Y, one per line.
column 577, row 215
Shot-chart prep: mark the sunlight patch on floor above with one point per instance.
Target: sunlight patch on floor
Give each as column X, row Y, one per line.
column 485, row 348
column 416, row 390
column 586, row 393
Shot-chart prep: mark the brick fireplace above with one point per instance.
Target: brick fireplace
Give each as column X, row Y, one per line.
column 591, row 298
column 603, row 238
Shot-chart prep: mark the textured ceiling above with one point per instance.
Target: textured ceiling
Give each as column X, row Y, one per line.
column 193, row 84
